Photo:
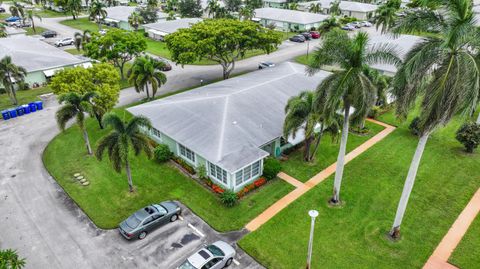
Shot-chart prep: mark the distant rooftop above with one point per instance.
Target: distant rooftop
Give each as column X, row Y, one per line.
column 34, row 54
column 227, row 122
column 169, row 27
column 344, row 5
column 121, row 13
column 293, row 16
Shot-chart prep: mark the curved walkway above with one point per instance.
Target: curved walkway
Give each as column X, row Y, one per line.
column 302, row 188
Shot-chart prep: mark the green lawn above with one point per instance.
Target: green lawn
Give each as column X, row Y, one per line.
column 355, row 236
column 107, row 201
column 23, row 97
column 327, row 153
column 466, row 255
column 82, row 24
column 74, row 51
column 38, row 30
column 46, row 13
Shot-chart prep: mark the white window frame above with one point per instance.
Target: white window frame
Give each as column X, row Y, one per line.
column 223, row 173
column 156, row 133
column 249, row 169
column 194, row 161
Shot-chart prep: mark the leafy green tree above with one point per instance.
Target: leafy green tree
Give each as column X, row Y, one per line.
column 190, row 8
column 147, row 71
column 171, row 16
column 81, row 39
column 254, row 4
column 135, row 20
column 171, row 5
column 11, row 74
column 348, row 87
column 232, row 5
column 149, row 14
column 97, row 12
column 328, row 24
column 293, row 6
column 75, row 106
column 222, row 40
column 102, row 78
column 72, row 6
column 212, row 8
column 386, row 15
column 469, row 136
column 9, row 259
column 3, row 31
column 246, row 13
column 121, row 140
column 116, row 46
column 152, row 3
column 442, row 70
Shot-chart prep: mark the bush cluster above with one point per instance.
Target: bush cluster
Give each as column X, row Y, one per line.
column 469, row 136
column 271, row 167
column 162, row 153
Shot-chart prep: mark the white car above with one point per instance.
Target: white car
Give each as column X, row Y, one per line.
column 263, row 65
column 366, row 24
column 64, row 42
column 356, row 24
column 215, row 256
column 103, row 31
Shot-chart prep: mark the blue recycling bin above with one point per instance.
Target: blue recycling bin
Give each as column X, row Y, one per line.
column 39, row 105
column 5, row 115
column 32, row 107
column 26, row 109
column 19, row 111
column 13, row 113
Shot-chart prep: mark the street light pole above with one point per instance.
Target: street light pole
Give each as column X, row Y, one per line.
column 313, row 214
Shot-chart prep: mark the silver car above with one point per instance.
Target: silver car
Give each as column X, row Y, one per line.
column 140, row 223
column 215, row 256
column 64, row 42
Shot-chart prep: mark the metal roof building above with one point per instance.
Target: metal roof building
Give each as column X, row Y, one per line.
column 286, row 19
column 159, row 30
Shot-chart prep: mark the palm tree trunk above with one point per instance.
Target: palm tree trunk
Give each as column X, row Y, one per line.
column 317, row 144
column 87, row 141
column 407, row 188
column 129, row 175
column 14, row 94
column 308, row 142
column 478, row 118
column 341, row 157
column 146, row 89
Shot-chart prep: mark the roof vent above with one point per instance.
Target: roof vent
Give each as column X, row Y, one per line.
column 234, row 122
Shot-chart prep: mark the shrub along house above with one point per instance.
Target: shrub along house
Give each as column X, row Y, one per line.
column 230, row 127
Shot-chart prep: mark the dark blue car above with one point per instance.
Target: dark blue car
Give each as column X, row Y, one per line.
column 12, row 19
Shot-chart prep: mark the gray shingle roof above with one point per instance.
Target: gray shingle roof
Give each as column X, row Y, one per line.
column 172, row 26
column 286, row 15
column 227, row 122
column 121, row 13
column 34, row 55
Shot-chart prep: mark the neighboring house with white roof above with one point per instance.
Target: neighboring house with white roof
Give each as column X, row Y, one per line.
column 361, row 11
column 118, row 16
column 275, row 3
column 288, row 20
column 230, row 127
column 40, row 59
column 159, row 30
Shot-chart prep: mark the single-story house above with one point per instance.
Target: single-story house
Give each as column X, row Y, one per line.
column 403, row 44
column 40, row 59
column 118, row 16
column 361, row 11
column 275, row 3
column 159, row 30
column 288, row 20
column 230, row 127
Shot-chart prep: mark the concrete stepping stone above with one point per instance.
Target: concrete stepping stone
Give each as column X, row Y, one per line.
column 80, row 178
column 77, row 174
column 86, row 183
column 83, row 180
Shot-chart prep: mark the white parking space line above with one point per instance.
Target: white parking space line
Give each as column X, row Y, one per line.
column 236, row 262
column 196, row 230
column 180, row 217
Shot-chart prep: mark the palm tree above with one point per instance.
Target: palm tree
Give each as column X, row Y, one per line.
column 335, row 8
column 147, row 70
column 9, row 260
column 30, row 16
column 348, row 87
column 328, row 24
column 442, row 70
column 75, row 107
column 11, row 74
column 171, row 16
column 387, row 14
column 3, row 31
column 212, row 8
column 293, row 6
column 97, row 12
column 82, row 39
column 315, row 8
column 121, row 140
column 74, row 6
column 17, row 10
column 135, row 20
column 247, row 13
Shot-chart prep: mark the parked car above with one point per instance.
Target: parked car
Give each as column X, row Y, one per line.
column 12, row 19
column 140, row 223
column 263, row 65
column 356, row 24
column 297, row 38
column 307, row 36
column 24, row 24
column 348, row 27
column 315, row 34
column 215, row 256
column 366, row 24
column 48, row 34
column 64, row 42
column 2, row 10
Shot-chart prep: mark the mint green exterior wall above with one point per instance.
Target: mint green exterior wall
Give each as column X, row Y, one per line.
column 35, row 77
column 124, row 25
column 273, row 148
column 287, row 26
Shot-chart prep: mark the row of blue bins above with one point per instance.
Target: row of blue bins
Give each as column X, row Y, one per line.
column 22, row 110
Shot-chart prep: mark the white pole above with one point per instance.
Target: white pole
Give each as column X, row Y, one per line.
column 313, row 214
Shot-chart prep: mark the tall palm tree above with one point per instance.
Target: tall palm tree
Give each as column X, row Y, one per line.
column 135, row 20
column 335, row 8
column 9, row 260
column 74, row 6
column 212, row 8
column 443, row 70
column 30, row 15
column 17, row 10
column 121, row 140
column 147, row 70
column 75, row 106
column 386, row 15
column 97, row 12
column 81, row 39
column 349, row 87
column 315, row 8
column 328, row 24
column 11, row 74
column 246, row 13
